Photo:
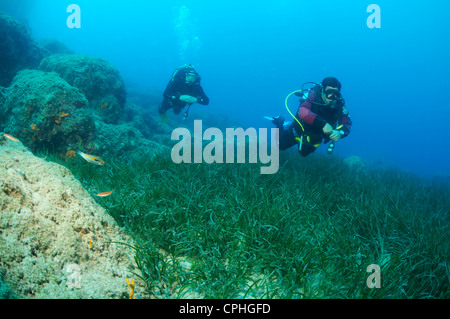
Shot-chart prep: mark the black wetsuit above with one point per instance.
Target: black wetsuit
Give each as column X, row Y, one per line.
column 177, row 87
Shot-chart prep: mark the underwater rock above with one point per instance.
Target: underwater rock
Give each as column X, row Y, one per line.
column 3, row 93
column 44, row 111
column 150, row 98
column 56, row 241
column 148, row 122
column 355, row 163
column 124, row 140
column 97, row 79
column 55, row 47
column 18, row 50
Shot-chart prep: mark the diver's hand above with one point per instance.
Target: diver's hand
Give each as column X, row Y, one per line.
column 184, row 98
column 188, row 99
column 336, row 135
column 192, row 100
column 327, row 129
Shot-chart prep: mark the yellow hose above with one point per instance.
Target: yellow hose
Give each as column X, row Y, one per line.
column 287, row 108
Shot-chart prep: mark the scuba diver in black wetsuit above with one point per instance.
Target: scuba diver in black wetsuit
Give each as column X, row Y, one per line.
column 321, row 117
column 183, row 89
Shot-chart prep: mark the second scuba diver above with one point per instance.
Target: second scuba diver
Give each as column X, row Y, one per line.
column 321, row 117
column 183, row 89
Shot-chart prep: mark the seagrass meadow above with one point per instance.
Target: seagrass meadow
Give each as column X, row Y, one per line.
column 308, row 231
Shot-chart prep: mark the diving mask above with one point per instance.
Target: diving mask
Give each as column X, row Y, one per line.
column 191, row 77
column 332, row 94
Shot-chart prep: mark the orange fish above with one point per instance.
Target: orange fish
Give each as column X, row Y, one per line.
column 11, row 138
column 104, row 194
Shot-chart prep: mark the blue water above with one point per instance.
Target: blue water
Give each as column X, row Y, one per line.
column 252, row 54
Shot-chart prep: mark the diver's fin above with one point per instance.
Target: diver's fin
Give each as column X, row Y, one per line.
column 164, row 118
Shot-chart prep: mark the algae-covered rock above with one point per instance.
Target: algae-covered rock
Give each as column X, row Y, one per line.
column 149, row 98
column 18, row 50
column 5, row 290
column 3, row 93
column 124, row 140
column 97, row 79
column 43, row 110
column 56, row 241
column 355, row 163
column 55, row 47
column 148, row 122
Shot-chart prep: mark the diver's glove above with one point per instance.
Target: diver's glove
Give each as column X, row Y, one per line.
column 278, row 121
column 336, row 135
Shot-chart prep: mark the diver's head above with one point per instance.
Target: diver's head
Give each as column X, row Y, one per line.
column 331, row 91
column 191, row 77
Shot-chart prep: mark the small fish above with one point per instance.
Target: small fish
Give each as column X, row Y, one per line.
column 90, row 244
column 11, row 138
column 92, row 158
column 104, row 194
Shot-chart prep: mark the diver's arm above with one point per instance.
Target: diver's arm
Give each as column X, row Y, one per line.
column 345, row 121
column 201, row 96
column 170, row 92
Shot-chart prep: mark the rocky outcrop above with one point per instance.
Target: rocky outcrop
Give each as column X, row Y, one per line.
column 56, row 242
column 97, row 79
column 18, row 50
column 355, row 163
column 148, row 122
column 44, row 111
column 3, row 94
column 124, row 140
column 55, row 47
